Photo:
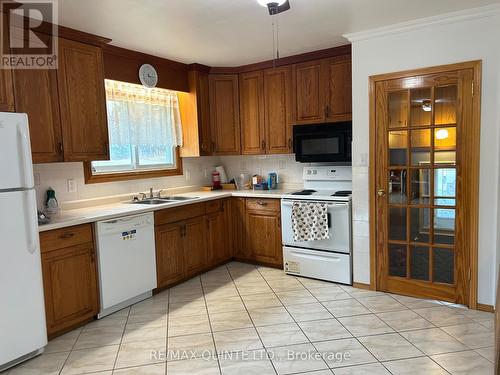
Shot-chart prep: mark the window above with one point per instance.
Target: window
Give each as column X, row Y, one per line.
column 144, row 133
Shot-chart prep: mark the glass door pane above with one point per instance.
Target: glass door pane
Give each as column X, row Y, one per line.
column 398, row 109
column 421, row 107
column 445, row 106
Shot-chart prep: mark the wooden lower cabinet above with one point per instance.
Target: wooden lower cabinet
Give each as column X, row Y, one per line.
column 257, row 230
column 219, row 235
column 263, row 237
column 195, row 248
column 69, row 279
column 169, row 253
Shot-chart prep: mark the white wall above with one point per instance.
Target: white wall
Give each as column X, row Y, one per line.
column 197, row 172
column 442, row 40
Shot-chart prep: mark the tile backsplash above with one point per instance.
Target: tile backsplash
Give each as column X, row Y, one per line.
column 197, row 172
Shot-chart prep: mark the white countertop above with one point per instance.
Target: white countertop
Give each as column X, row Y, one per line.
column 68, row 218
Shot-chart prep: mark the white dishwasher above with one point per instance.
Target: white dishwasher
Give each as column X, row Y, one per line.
column 126, row 261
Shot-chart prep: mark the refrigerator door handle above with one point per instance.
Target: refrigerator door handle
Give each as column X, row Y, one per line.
column 27, row 168
column 31, row 230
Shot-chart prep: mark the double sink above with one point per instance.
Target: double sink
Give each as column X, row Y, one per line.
column 155, row 201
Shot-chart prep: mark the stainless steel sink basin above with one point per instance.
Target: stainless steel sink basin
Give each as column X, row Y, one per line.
column 178, row 198
column 152, row 201
column 155, row 201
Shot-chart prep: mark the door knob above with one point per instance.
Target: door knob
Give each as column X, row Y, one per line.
column 381, row 192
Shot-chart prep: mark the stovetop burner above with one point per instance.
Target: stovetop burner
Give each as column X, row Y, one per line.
column 342, row 193
column 304, row 192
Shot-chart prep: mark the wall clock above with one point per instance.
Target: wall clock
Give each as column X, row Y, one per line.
column 148, row 75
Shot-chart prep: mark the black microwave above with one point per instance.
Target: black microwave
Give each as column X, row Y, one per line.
column 323, row 143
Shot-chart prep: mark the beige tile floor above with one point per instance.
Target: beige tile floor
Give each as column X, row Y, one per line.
column 242, row 319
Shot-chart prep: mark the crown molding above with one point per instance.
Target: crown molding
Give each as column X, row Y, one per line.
column 441, row 19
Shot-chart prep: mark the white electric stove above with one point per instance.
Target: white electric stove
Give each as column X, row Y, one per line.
column 329, row 259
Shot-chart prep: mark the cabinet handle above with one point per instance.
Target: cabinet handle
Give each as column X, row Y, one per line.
column 289, row 143
column 65, row 236
column 263, row 144
column 60, row 145
column 261, row 203
column 92, row 256
column 213, row 146
column 327, row 114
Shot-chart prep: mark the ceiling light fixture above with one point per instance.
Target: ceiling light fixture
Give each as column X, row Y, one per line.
column 442, row 134
column 275, row 7
column 427, row 105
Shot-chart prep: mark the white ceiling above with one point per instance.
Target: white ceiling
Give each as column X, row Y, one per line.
column 238, row 32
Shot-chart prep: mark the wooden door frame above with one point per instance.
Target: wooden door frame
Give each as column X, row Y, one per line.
column 473, row 181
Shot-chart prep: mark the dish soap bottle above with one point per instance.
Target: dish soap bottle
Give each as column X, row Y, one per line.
column 51, row 203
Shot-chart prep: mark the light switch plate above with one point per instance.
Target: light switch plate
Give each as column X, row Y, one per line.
column 72, row 186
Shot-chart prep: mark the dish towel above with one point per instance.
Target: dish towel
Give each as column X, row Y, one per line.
column 310, row 221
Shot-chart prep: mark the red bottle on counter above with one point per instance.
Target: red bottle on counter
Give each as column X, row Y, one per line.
column 216, row 180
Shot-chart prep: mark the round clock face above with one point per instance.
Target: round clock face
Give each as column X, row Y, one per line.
column 148, row 75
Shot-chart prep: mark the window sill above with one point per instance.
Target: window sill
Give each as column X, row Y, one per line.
column 124, row 176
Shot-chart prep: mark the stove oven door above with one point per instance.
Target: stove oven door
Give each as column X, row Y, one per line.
column 339, row 223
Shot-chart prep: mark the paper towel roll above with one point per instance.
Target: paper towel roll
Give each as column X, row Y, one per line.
column 222, row 173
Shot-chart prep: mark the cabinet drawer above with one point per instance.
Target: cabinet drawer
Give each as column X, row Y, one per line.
column 65, row 237
column 263, row 204
column 171, row 215
column 214, row 206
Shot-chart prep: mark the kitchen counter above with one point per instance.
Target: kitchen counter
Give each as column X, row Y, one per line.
column 68, row 218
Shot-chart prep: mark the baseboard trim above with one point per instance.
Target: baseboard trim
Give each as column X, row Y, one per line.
column 361, row 286
column 483, row 307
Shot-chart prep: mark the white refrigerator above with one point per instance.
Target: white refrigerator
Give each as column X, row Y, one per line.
column 22, row 312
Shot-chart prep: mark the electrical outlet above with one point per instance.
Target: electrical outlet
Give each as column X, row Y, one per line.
column 205, row 173
column 37, row 179
column 71, row 186
column 258, row 171
column 187, row 174
column 282, row 164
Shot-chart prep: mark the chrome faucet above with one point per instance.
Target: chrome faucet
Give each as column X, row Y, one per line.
column 151, row 196
column 159, row 193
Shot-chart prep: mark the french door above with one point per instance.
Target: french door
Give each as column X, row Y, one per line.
column 425, row 195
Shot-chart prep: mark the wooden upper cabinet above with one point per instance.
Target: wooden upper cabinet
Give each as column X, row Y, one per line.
column 224, row 114
column 195, row 116
column 277, row 110
column 338, row 90
column 36, row 94
column 309, row 93
column 322, row 91
column 82, row 101
column 253, row 137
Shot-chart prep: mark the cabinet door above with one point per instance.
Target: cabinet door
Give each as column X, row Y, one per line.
column 277, row 110
column 252, row 113
column 263, row 239
column 338, row 84
column 238, row 222
column 70, row 286
column 203, row 103
column 82, row 102
column 217, row 237
column 35, row 93
column 224, row 114
column 309, row 93
column 195, row 247
column 169, row 253
column 6, row 91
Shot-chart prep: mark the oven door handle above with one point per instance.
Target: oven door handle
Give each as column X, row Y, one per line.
column 330, row 205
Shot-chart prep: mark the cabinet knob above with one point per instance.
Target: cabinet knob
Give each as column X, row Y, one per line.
column 381, row 192
column 261, row 203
